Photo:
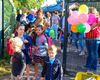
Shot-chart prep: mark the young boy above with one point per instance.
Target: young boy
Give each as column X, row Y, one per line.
column 52, row 69
column 18, row 61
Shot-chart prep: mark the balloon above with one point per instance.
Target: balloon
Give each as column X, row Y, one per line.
column 31, row 18
column 73, row 20
column 91, row 19
column 81, row 28
column 83, row 18
column 88, row 27
column 47, row 32
column 83, row 9
column 74, row 28
column 74, row 13
column 52, row 34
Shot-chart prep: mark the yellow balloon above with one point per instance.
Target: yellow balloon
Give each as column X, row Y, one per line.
column 83, row 9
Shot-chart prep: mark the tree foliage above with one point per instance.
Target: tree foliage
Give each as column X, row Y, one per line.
column 19, row 4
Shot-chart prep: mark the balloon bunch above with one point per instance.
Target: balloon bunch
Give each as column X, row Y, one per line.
column 50, row 33
column 78, row 20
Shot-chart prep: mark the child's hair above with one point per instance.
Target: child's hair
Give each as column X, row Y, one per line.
column 74, row 7
column 17, row 42
column 40, row 26
column 52, row 47
column 92, row 10
column 39, row 11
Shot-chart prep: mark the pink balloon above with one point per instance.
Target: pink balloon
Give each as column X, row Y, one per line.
column 88, row 27
column 91, row 19
column 74, row 20
column 74, row 13
column 83, row 18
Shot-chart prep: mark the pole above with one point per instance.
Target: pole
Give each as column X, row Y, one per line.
column 2, row 40
column 65, row 38
column 63, row 2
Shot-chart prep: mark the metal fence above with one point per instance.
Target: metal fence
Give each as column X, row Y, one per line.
column 75, row 62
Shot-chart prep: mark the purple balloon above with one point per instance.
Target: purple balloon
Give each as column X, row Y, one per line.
column 74, row 13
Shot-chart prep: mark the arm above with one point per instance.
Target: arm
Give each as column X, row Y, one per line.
column 98, row 21
column 60, row 72
column 94, row 26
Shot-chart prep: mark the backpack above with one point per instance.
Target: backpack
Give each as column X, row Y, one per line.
column 9, row 47
column 49, row 39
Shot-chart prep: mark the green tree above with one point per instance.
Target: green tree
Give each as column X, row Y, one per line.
column 19, row 4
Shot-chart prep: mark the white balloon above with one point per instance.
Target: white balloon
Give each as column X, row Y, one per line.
column 88, row 27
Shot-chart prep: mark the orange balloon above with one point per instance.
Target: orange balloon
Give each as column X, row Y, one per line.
column 74, row 28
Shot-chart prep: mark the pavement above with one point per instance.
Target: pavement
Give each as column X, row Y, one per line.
column 8, row 77
column 74, row 63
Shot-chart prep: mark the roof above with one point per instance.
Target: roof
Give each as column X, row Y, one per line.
column 52, row 8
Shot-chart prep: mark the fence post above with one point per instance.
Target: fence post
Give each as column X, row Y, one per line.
column 2, row 33
column 65, row 37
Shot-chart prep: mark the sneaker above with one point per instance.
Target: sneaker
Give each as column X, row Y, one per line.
column 77, row 50
column 82, row 53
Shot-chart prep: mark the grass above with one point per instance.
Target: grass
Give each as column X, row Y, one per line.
column 4, row 68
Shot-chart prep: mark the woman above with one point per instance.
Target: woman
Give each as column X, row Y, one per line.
column 92, row 41
column 40, row 20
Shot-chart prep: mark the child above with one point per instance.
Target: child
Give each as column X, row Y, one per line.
column 40, row 49
column 52, row 69
column 18, row 61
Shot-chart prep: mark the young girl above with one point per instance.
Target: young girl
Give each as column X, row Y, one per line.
column 40, row 49
column 25, row 48
column 52, row 69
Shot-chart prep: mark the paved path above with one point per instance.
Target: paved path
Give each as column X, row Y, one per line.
column 75, row 63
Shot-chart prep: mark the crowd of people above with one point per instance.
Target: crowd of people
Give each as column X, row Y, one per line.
column 90, row 40
column 33, row 42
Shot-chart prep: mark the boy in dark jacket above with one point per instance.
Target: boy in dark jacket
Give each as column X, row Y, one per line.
column 52, row 69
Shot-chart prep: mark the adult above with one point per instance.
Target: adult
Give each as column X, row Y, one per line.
column 48, row 18
column 55, row 23
column 39, row 18
column 19, row 14
column 92, row 41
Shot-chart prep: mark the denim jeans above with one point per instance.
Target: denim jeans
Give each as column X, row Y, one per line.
column 92, row 58
column 78, row 37
column 55, row 28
